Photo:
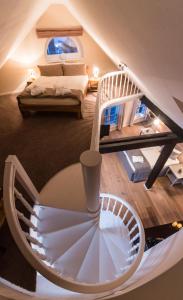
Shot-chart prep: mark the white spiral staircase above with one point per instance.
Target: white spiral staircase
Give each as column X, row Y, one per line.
column 90, row 252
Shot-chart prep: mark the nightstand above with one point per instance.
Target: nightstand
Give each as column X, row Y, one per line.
column 93, row 84
column 174, row 173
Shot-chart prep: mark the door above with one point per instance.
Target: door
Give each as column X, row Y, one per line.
column 111, row 116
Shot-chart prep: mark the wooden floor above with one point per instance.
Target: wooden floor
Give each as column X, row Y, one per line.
column 134, row 130
column 160, row 205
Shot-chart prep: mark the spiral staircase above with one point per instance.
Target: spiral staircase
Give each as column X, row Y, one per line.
column 88, row 252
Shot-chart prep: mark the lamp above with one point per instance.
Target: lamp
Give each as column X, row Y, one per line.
column 156, row 122
column 31, row 74
column 96, row 72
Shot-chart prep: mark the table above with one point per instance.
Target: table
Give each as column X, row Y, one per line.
column 93, row 84
column 174, row 174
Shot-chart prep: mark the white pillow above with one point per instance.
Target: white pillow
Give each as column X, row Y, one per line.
column 61, row 91
column 36, row 90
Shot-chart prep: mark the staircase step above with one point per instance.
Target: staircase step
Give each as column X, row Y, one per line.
column 107, row 270
column 112, row 223
column 52, row 219
column 118, row 256
column 121, row 242
column 89, row 270
column 46, row 288
column 115, row 230
column 58, row 242
column 70, row 262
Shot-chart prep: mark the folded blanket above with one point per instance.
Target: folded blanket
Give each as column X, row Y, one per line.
column 62, row 91
column 36, row 90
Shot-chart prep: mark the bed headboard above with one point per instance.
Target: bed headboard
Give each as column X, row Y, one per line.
column 65, row 69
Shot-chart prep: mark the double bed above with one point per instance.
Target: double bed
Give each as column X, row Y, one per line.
column 56, row 91
column 139, row 171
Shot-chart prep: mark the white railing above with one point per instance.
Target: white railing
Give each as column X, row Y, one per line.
column 135, row 231
column 114, row 88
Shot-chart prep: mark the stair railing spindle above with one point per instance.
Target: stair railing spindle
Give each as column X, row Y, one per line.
column 25, row 220
column 20, row 197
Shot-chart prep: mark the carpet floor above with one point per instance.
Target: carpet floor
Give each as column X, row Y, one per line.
column 44, row 143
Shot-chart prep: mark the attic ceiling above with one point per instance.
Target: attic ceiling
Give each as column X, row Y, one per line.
column 145, row 34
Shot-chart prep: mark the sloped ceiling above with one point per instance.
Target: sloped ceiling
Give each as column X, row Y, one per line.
column 145, row 34
column 17, row 17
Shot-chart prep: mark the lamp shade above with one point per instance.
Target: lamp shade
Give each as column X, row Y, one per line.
column 31, row 74
column 96, row 72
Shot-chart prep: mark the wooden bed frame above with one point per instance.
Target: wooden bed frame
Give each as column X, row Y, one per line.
column 26, row 109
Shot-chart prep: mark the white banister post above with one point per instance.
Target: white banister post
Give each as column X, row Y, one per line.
column 91, row 167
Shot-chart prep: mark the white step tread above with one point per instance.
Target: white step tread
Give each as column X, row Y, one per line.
column 118, row 256
column 52, row 219
column 89, row 270
column 47, row 290
column 121, row 242
column 70, row 262
column 107, row 270
column 115, row 229
column 58, row 242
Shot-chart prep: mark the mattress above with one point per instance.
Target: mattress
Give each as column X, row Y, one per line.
column 59, row 86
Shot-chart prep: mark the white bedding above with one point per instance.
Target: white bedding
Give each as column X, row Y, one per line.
column 152, row 154
column 79, row 83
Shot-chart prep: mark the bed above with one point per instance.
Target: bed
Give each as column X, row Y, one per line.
column 55, row 90
column 139, row 171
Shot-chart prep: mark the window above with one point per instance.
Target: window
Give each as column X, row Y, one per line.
column 63, row 48
column 111, row 115
column 141, row 110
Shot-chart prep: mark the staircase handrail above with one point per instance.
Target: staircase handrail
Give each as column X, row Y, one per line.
column 114, row 88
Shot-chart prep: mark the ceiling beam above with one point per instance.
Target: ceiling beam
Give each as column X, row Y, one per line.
column 163, row 157
column 136, row 142
column 59, row 32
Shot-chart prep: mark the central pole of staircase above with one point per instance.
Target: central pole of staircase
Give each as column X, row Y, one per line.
column 91, row 167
